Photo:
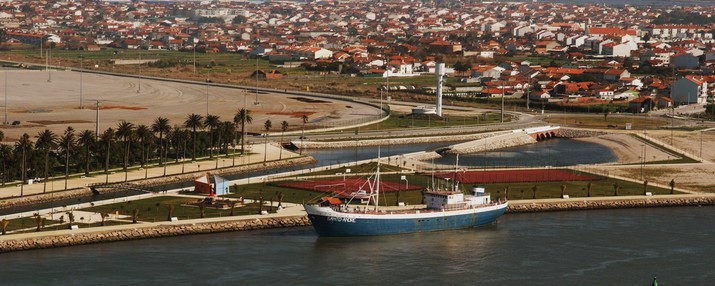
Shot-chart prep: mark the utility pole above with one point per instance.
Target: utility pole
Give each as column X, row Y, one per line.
column 81, row 67
column 503, row 90
column 49, row 55
column 139, row 76
column 5, row 122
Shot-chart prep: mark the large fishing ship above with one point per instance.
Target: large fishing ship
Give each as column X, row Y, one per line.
column 444, row 210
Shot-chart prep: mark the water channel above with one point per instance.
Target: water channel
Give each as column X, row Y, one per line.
column 603, row 247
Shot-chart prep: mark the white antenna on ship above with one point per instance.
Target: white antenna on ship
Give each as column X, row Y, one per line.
column 377, row 180
column 454, row 180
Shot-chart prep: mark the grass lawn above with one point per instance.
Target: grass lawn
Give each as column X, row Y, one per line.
column 403, row 120
column 619, row 122
column 157, row 209
column 599, row 188
column 28, row 222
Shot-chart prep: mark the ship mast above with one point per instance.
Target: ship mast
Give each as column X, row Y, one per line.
column 377, row 181
column 454, row 179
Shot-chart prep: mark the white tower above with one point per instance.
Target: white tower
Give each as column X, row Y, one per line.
column 439, row 73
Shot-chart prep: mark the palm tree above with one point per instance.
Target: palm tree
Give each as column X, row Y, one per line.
column 225, row 133
column 302, row 133
column 46, row 141
column 161, row 126
column 143, row 133
column 284, row 127
column 6, row 157
column 193, row 121
column 615, row 188
column 266, row 126
column 23, row 145
column 87, row 139
column 67, row 143
column 125, row 131
column 243, row 117
column 107, row 139
column 212, row 122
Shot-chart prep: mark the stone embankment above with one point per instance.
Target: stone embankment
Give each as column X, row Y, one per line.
column 578, row 133
column 585, row 204
column 150, row 182
column 497, row 141
column 8, row 244
column 391, row 141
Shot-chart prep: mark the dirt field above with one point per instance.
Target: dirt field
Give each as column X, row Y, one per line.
column 38, row 103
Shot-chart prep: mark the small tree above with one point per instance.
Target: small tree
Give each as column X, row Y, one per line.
column 533, row 190
column 70, row 216
column 104, row 217
column 672, row 186
column 615, row 188
column 38, row 221
column 397, row 198
column 260, row 205
column 202, row 208
column 280, row 200
column 563, row 190
column 135, row 215
column 588, row 189
column 170, row 208
column 4, row 223
column 233, row 206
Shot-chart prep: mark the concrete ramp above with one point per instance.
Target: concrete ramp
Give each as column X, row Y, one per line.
column 501, row 140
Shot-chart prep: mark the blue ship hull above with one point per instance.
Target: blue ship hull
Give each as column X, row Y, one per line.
column 329, row 225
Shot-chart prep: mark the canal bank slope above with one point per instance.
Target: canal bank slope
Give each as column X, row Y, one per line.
column 294, row 215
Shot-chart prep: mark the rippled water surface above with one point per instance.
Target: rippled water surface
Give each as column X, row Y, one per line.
column 605, row 247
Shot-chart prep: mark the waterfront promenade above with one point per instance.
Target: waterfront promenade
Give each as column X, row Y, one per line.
column 171, row 169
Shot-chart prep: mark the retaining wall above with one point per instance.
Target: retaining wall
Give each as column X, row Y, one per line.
column 578, row 133
column 8, row 245
column 567, row 205
column 387, row 141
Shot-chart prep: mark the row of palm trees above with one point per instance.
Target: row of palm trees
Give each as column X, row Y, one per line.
column 123, row 146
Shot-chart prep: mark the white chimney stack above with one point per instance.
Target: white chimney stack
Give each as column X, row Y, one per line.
column 439, row 73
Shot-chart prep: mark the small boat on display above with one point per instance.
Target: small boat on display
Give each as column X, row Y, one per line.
column 444, row 210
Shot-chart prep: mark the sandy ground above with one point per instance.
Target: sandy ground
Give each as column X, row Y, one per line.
column 689, row 141
column 39, row 104
column 629, row 149
column 697, row 177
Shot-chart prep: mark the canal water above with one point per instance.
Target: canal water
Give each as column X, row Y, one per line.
column 553, row 152
column 600, row 247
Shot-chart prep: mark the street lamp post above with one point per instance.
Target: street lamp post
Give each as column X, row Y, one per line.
column 207, row 93
column 139, row 76
column 49, row 55
column 81, row 67
column 503, row 90
column 5, row 122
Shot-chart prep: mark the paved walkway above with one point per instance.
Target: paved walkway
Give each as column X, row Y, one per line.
column 117, row 175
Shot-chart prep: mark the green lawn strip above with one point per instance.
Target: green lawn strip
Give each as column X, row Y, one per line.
column 157, row 209
column 27, row 222
column 404, row 120
column 599, row 188
column 619, row 122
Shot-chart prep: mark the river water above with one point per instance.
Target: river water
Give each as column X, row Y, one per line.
column 602, row 247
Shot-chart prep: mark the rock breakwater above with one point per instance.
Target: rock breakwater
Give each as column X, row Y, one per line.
column 575, row 204
column 136, row 231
